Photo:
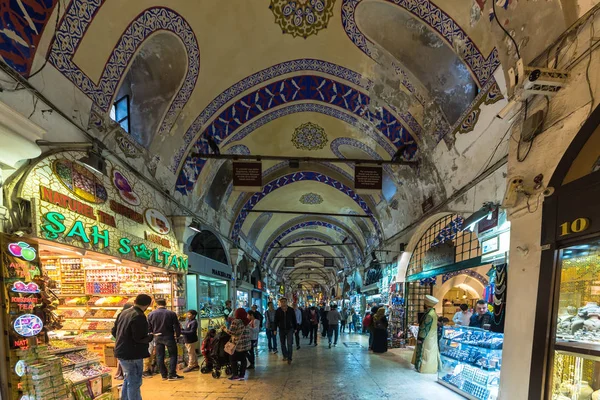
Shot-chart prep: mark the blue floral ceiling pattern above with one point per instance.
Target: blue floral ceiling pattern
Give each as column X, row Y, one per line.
column 309, row 136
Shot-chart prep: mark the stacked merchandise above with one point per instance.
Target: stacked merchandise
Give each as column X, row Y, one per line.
column 396, row 323
column 41, row 374
column 471, row 361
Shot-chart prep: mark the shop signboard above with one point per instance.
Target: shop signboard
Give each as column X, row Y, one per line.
column 439, row 256
column 22, row 294
column 367, row 179
column 116, row 215
column 488, row 223
column 247, row 176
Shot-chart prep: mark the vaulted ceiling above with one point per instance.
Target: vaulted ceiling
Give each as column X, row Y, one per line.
column 303, row 78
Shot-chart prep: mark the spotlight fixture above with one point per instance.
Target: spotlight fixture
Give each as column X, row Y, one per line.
column 94, row 160
column 399, row 155
column 195, row 226
column 374, row 256
column 345, row 240
column 484, row 212
column 295, row 164
column 278, row 243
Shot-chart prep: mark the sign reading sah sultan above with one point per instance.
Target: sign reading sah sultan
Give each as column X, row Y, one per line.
column 116, row 214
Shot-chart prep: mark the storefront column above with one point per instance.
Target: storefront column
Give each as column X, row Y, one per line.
column 523, row 273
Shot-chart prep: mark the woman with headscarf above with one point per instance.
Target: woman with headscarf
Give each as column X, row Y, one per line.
column 380, row 333
column 240, row 335
column 427, row 353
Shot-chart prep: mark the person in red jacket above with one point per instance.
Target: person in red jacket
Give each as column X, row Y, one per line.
column 366, row 325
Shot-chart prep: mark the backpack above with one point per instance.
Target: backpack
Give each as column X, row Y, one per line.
column 367, row 321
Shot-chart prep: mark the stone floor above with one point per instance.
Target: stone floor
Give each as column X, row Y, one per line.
column 348, row 371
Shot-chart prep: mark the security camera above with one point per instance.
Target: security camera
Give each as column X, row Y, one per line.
column 549, row 191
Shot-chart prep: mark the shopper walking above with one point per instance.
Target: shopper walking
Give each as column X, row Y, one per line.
column 305, row 322
column 271, row 328
column 190, row 338
column 119, row 373
column 257, row 315
column 285, row 321
column 367, row 325
column 164, row 324
column 254, row 327
column 380, row 333
column 313, row 318
column 355, row 321
column 240, row 336
column 298, row 313
column 324, row 322
column 131, row 345
column 344, row 318
column 333, row 318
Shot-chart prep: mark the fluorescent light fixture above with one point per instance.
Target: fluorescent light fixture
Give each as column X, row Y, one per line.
column 195, row 226
column 473, row 219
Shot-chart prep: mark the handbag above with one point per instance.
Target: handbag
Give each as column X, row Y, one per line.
column 229, row 348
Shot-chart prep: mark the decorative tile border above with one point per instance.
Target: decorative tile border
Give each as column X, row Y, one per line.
column 275, row 71
column 290, row 90
column 482, row 67
column 302, row 19
column 473, row 274
column 299, row 177
column 73, row 27
column 490, row 94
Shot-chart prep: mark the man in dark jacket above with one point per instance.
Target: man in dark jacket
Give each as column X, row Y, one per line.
column 164, row 324
column 482, row 316
column 190, row 338
column 285, row 321
column 131, row 345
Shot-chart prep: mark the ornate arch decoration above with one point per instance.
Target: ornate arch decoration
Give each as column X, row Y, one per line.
column 326, row 90
column 314, row 223
column 272, row 241
column 73, row 27
column 311, row 237
column 481, row 67
column 285, row 68
column 277, row 167
column 299, row 177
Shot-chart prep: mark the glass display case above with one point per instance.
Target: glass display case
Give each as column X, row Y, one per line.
column 471, row 360
column 576, row 372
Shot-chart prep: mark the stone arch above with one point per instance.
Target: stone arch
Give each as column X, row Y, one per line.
column 71, row 30
column 207, row 244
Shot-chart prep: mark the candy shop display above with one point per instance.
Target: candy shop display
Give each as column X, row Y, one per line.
column 471, row 361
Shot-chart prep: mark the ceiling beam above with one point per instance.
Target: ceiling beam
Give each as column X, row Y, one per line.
column 316, row 245
column 309, row 213
column 303, row 159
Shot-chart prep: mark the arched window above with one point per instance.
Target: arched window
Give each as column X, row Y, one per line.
column 422, row 52
column 151, row 82
column 208, row 245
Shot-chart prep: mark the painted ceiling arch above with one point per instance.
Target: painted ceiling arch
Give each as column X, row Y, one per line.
column 315, row 88
column 271, row 232
column 287, row 230
column 307, row 238
column 299, row 177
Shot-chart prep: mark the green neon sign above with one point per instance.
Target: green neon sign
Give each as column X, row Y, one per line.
column 54, row 228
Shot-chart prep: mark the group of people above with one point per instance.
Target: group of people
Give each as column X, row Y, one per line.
column 426, row 357
column 137, row 336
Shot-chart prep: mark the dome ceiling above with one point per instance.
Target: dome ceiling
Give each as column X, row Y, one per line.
column 320, row 78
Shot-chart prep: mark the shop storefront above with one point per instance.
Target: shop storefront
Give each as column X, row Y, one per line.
column 566, row 348
column 208, row 283
column 96, row 242
column 454, row 265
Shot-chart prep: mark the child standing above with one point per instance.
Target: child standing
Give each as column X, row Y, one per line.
column 190, row 338
column 254, row 327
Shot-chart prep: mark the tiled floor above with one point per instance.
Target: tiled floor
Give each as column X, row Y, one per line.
column 348, row 371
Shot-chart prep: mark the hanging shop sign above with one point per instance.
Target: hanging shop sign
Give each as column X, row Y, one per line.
column 247, row 176
column 439, row 256
column 488, row 223
column 114, row 215
column 367, row 180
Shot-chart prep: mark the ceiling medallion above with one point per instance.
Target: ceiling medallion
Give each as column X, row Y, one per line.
column 302, row 17
column 311, row 198
column 309, row 136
